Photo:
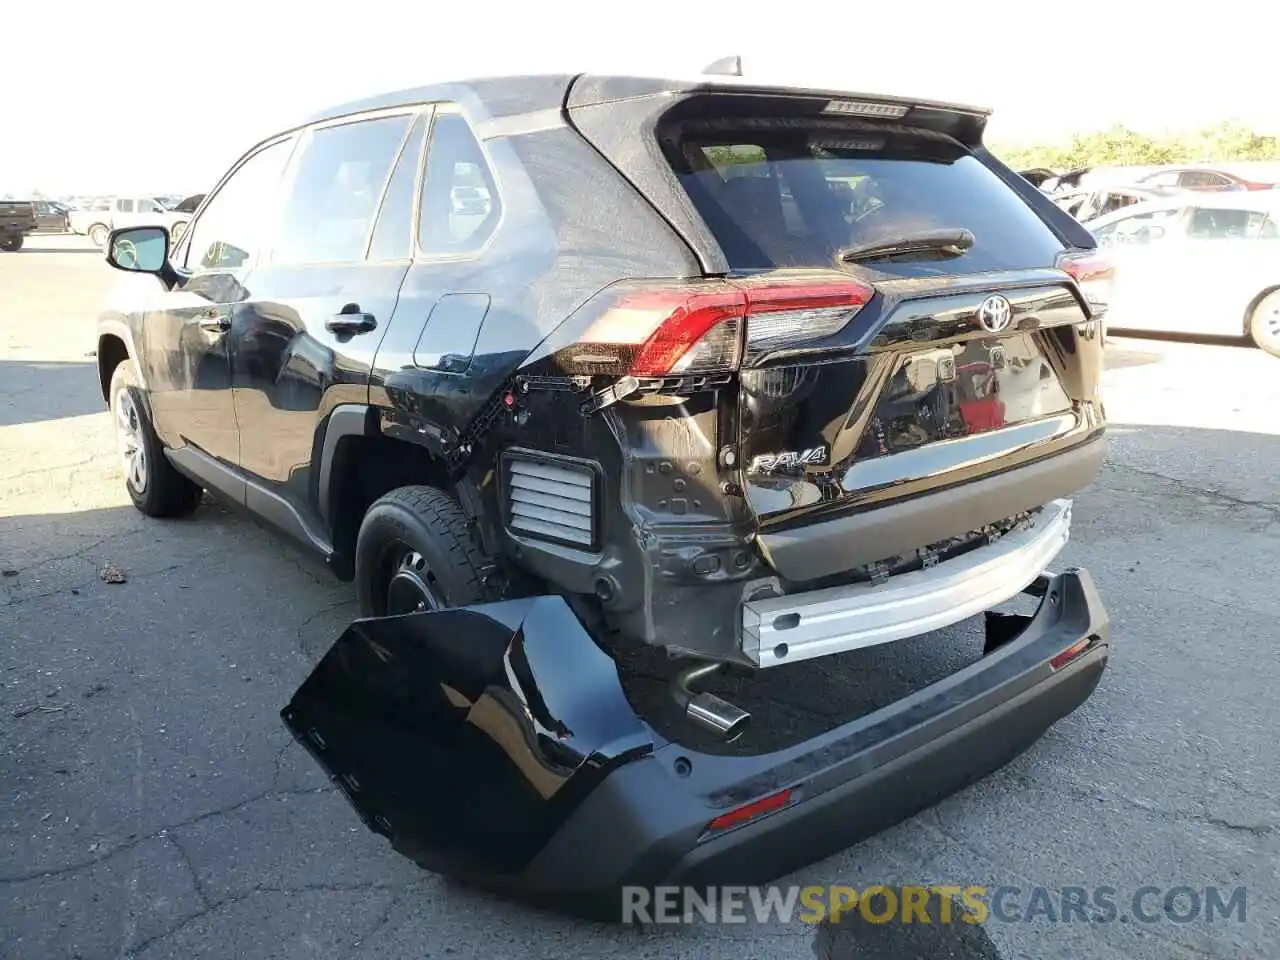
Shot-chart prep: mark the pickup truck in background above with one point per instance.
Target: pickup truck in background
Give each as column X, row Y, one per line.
column 107, row 214
column 51, row 216
column 17, row 220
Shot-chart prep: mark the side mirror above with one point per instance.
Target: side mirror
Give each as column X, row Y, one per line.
column 139, row 249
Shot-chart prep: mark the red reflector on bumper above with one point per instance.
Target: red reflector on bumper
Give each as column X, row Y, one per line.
column 748, row 812
column 1069, row 654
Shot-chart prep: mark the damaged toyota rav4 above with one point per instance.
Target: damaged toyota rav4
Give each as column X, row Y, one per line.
column 557, row 367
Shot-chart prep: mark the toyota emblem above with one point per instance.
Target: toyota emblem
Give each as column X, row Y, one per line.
column 995, row 313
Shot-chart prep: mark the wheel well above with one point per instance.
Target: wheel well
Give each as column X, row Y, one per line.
column 1253, row 305
column 111, row 352
column 366, row 467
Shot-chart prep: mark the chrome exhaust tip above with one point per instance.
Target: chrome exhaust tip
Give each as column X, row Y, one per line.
column 711, row 713
column 719, row 716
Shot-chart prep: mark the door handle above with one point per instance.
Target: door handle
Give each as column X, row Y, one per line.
column 350, row 323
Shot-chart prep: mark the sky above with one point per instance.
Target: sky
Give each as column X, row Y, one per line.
column 150, row 96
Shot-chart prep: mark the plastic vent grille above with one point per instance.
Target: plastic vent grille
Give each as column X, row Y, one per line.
column 552, row 501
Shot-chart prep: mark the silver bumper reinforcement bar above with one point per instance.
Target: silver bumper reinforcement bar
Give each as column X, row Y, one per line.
column 819, row 623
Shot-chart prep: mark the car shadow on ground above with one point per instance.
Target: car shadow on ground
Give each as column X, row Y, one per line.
column 64, row 389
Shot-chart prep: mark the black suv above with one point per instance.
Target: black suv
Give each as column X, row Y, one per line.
column 752, row 374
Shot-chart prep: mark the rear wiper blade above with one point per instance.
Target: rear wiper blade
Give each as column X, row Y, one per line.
column 952, row 241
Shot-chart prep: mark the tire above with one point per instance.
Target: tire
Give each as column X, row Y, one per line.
column 155, row 487
column 1264, row 323
column 98, row 233
column 12, row 243
column 177, row 230
column 415, row 551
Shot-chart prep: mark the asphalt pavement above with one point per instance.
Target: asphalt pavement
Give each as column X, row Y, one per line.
column 152, row 804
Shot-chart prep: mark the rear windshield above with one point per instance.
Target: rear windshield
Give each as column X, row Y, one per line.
column 789, row 193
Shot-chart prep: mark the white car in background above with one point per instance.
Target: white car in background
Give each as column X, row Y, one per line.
column 1163, row 250
column 106, row 214
column 1086, row 205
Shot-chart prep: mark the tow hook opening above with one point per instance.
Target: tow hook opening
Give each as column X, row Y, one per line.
column 706, row 710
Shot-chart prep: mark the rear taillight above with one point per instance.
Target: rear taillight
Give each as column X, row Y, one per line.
column 653, row 329
column 1093, row 273
column 784, row 315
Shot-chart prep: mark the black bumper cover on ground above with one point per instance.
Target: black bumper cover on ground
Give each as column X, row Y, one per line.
column 495, row 743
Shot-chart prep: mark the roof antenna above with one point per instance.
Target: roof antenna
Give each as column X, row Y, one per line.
column 726, row 66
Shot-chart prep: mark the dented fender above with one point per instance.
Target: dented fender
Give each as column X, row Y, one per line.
column 467, row 736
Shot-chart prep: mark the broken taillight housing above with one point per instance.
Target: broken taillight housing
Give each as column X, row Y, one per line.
column 698, row 327
column 1094, row 273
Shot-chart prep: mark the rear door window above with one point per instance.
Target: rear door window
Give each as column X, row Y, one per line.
column 791, row 193
column 336, row 187
column 1203, row 178
column 1116, row 201
column 1208, row 223
column 1142, row 229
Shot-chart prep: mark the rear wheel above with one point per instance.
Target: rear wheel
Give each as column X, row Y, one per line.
column 12, row 243
column 1264, row 323
column 98, row 233
column 415, row 552
column 154, row 486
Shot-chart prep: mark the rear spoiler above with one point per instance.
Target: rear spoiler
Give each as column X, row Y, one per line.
column 960, row 121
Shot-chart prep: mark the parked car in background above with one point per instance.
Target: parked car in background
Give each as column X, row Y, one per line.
column 17, row 221
column 1230, row 238
column 1200, row 178
column 182, row 212
column 1085, row 205
column 110, row 213
column 51, row 217
column 1037, row 175
column 1064, row 182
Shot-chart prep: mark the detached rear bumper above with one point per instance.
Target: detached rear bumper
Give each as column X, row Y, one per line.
column 578, row 798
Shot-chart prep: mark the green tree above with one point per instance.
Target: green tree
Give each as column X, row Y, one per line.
column 1118, row 145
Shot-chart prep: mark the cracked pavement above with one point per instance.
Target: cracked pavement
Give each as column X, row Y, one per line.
column 152, row 804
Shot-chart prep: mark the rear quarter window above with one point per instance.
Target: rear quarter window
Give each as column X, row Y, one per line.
column 793, row 194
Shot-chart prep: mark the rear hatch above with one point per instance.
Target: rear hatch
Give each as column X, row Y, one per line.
column 870, row 375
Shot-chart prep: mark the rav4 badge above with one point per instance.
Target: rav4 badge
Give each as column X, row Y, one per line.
column 767, row 462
